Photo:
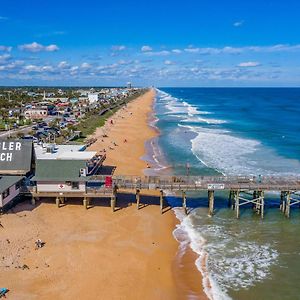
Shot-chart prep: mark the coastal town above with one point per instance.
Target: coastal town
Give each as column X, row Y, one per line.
column 58, row 114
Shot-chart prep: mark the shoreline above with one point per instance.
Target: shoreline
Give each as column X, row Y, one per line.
column 188, row 277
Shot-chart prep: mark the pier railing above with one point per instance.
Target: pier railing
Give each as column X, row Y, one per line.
column 243, row 190
column 205, row 182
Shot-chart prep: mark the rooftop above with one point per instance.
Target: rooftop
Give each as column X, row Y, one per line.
column 66, row 152
column 15, row 157
column 8, row 181
column 59, row 170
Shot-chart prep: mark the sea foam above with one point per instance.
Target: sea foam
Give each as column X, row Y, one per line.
column 227, row 260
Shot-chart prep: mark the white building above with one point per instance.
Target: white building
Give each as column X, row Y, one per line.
column 35, row 113
column 93, row 97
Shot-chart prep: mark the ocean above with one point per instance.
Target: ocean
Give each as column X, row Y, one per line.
column 234, row 131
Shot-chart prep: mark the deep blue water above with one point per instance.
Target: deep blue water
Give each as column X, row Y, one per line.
column 247, row 131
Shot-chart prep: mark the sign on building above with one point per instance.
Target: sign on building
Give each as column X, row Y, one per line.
column 15, row 157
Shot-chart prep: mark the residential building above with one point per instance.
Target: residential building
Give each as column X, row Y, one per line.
column 93, row 97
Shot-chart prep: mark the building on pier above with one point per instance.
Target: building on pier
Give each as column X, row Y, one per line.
column 68, row 172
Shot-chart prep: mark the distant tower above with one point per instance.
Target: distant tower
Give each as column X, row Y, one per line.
column 44, row 95
column 129, row 85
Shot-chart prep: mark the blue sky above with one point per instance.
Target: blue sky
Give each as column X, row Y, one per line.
column 161, row 43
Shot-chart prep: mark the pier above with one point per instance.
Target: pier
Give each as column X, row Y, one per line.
column 242, row 190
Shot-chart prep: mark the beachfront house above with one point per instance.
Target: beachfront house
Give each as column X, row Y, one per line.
column 10, row 187
column 16, row 165
column 64, row 169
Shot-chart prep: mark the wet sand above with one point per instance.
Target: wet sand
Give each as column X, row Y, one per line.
column 94, row 253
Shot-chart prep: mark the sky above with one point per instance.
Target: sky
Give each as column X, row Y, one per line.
column 161, row 43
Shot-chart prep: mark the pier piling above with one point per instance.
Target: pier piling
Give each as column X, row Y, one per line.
column 230, row 198
column 233, row 196
column 33, row 201
column 282, row 201
column 288, row 204
column 211, row 200
column 161, row 200
column 113, row 202
column 262, row 204
column 85, row 202
column 184, row 202
column 138, row 197
column 57, row 201
column 237, row 204
column 254, row 206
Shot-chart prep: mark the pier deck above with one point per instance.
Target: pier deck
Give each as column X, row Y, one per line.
column 242, row 190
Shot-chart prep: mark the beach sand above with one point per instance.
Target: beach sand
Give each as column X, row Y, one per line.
column 95, row 253
column 127, row 130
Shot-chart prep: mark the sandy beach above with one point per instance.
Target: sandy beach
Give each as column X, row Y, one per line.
column 126, row 132
column 94, row 253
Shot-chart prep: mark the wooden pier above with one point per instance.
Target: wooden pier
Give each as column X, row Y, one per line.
column 242, row 190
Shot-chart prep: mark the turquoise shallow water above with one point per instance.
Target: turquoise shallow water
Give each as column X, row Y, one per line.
column 235, row 131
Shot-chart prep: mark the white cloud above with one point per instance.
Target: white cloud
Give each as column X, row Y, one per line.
column 239, row 50
column 5, row 48
column 32, row 68
column 63, row 65
column 35, row 47
column 169, row 62
column 118, row 48
column 248, row 64
column 11, row 65
column 4, row 57
column 211, row 51
column 146, row 48
column 51, row 48
column 85, row 65
column 275, row 48
column 158, row 53
column 192, row 50
column 238, row 23
column 177, row 51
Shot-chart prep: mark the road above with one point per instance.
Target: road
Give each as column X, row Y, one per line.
column 24, row 129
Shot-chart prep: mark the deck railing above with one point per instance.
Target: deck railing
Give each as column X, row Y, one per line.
column 177, row 183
